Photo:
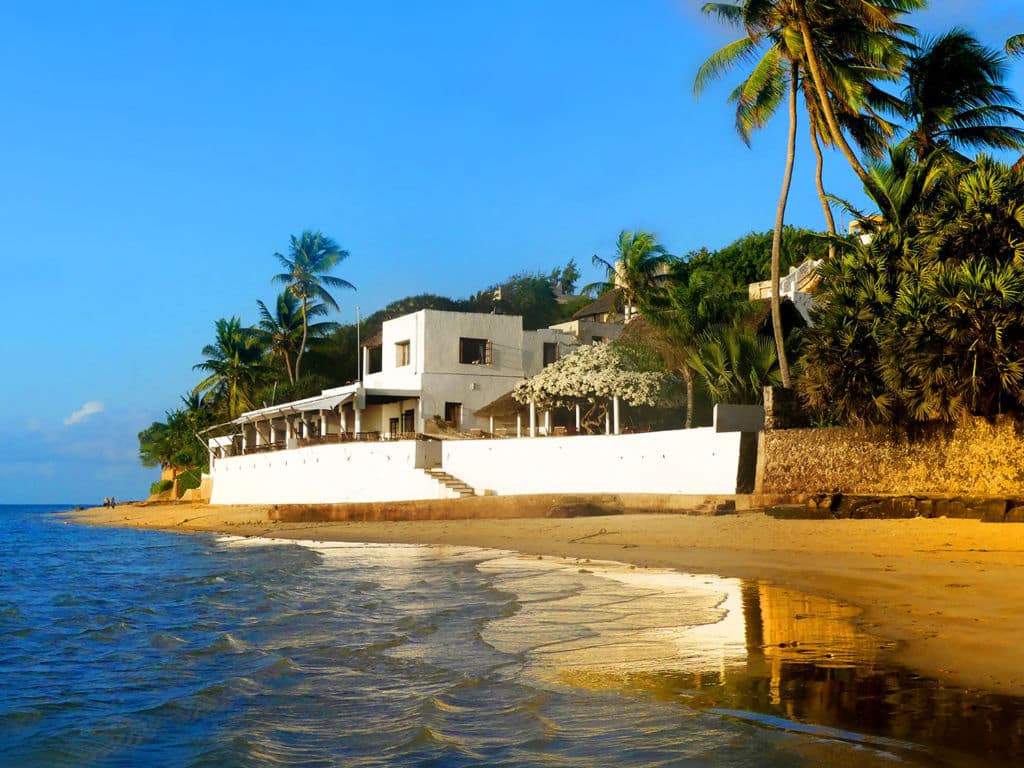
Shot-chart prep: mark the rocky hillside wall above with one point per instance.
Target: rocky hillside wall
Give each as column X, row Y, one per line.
column 978, row 457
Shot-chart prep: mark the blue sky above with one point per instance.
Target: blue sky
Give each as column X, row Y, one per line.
column 156, row 155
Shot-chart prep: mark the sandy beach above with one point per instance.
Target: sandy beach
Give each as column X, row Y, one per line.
column 948, row 591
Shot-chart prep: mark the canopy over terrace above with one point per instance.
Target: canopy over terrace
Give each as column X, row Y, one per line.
column 311, row 419
column 323, row 418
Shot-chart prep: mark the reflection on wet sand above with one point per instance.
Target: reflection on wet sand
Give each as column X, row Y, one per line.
column 743, row 649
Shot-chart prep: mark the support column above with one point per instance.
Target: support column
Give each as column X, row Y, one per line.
column 273, row 432
column 607, row 423
column 343, row 416
column 490, row 425
column 615, row 414
column 533, row 418
column 547, row 423
column 519, row 424
column 359, row 419
column 323, row 423
column 259, row 437
column 577, row 418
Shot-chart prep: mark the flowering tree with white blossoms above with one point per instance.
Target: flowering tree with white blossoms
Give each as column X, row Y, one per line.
column 590, row 377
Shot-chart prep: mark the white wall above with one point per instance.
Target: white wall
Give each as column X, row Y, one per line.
column 689, row 461
column 391, row 376
column 326, row 474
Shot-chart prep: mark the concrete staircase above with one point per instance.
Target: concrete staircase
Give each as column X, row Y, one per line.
column 450, row 482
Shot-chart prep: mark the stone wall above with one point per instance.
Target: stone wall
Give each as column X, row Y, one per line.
column 977, row 457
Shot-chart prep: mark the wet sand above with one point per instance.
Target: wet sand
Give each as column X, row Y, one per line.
column 950, row 592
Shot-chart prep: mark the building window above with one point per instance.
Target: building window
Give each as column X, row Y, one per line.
column 475, row 351
column 550, row 353
column 402, row 354
column 453, row 413
column 597, row 339
column 375, row 359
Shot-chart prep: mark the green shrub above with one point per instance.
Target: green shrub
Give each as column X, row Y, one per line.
column 189, row 479
column 160, row 486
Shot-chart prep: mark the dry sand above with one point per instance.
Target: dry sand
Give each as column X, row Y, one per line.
column 949, row 591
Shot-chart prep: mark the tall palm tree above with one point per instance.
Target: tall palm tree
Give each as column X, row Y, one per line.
column 281, row 331
column 757, row 98
column 844, row 46
column 233, row 364
column 955, row 96
column 640, row 264
column 1015, row 45
column 310, row 258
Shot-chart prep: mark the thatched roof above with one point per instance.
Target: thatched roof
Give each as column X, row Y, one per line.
column 607, row 302
column 504, row 406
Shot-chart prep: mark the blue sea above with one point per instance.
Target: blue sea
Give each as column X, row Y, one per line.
column 143, row 648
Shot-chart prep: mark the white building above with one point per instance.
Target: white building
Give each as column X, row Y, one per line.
column 359, row 443
column 423, row 368
column 434, row 365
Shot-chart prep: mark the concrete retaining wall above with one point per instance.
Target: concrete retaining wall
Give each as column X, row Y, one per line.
column 692, row 461
column 977, row 457
column 324, row 474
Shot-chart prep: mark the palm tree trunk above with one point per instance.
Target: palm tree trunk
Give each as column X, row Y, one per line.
column 302, row 348
column 825, row 100
column 830, row 221
column 288, row 366
column 780, row 218
column 688, row 378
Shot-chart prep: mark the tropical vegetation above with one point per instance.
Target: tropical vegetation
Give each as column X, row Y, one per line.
column 919, row 312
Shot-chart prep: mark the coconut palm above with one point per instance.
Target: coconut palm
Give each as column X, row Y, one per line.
column 955, row 96
column 1015, row 45
column 233, row 364
column 640, row 265
column 849, row 55
column 281, row 331
column 774, row 75
column 310, row 258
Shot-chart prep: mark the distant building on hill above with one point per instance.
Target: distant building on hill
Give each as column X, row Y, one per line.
column 601, row 320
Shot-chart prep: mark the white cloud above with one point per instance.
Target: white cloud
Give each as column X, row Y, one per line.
column 88, row 409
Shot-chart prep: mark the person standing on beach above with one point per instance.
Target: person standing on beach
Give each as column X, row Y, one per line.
column 113, row 502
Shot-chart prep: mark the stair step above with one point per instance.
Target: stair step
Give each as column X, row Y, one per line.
column 452, row 483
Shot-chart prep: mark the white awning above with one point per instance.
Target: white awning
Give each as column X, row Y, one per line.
column 324, row 403
column 318, row 403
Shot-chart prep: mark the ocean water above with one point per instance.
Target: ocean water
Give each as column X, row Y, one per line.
column 138, row 648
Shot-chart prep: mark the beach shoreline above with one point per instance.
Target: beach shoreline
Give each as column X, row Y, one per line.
column 946, row 590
